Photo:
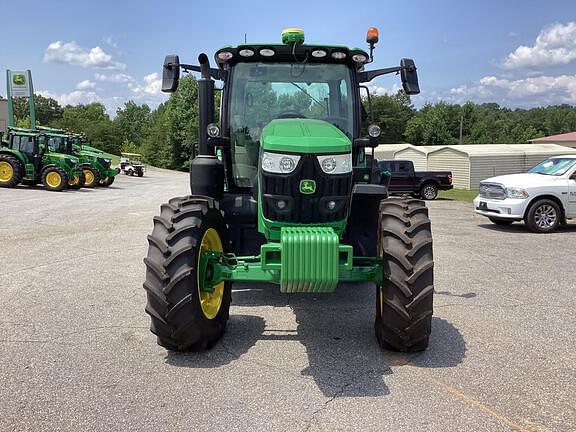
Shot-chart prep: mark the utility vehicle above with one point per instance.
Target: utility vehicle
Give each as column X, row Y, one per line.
column 130, row 164
column 291, row 200
column 26, row 158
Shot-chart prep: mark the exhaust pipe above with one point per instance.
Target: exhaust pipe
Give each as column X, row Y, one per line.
column 206, row 104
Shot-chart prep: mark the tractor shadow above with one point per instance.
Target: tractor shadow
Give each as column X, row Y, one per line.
column 344, row 358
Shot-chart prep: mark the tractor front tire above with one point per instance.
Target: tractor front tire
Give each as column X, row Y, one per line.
column 107, row 181
column 184, row 317
column 78, row 181
column 92, row 176
column 11, row 171
column 404, row 301
column 54, row 179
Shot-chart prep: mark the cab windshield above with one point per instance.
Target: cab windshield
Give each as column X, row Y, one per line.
column 262, row 92
column 58, row 144
column 554, row 166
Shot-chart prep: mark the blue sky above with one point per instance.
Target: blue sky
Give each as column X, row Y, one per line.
column 516, row 53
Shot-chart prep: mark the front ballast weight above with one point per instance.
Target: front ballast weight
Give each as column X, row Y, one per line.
column 306, row 260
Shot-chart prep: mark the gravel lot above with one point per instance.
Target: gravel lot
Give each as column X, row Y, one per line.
column 76, row 353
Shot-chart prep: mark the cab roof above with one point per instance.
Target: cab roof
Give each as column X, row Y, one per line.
column 290, row 53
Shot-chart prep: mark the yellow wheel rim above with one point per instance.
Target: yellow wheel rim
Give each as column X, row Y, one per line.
column 53, row 179
column 89, row 177
column 6, row 172
column 210, row 301
column 74, row 181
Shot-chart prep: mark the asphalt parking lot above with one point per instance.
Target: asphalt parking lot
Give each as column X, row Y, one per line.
column 76, row 353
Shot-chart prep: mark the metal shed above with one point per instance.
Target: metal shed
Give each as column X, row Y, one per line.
column 417, row 154
column 387, row 151
column 536, row 153
column 470, row 164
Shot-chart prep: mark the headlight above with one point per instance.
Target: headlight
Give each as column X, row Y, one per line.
column 279, row 163
column 336, row 164
column 518, row 193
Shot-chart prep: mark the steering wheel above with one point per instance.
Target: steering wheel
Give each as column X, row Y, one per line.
column 290, row 114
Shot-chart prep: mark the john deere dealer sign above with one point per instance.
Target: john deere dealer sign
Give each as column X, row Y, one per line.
column 19, row 83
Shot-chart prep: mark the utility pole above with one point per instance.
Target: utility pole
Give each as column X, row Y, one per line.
column 461, row 123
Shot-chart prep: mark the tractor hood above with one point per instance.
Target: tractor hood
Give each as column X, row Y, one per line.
column 296, row 135
column 64, row 156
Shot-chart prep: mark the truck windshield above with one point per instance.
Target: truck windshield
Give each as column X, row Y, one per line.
column 554, row 166
column 262, row 92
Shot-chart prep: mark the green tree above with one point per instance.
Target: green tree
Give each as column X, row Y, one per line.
column 132, row 122
column 48, row 111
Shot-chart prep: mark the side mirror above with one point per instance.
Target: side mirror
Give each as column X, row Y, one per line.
column 409, row 77
column 170, row 74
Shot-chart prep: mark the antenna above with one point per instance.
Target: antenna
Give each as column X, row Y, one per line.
column 245, row 38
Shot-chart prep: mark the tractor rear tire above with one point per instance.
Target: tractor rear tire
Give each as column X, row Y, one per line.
column 77, row 182
column 54, row 179
column 92, row 176
column 107, row 181
column 11, row 171
column 183, row 317
column 404, row 301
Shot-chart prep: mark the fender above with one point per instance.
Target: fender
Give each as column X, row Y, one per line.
column 16, row 154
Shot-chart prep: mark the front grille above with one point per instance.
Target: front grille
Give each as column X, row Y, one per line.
column 301, row 208
column 492, row 191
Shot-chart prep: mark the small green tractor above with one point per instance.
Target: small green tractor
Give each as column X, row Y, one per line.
column 281, row 193
column 96, row 168
column 27, row 158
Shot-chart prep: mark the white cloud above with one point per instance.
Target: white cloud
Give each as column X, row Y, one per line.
column 555, row 45
column 379, row 90
column 73, row 98
column 151, row 86
column 540, row 90
column 86, row 84
column 114, row 78
column 72, row 53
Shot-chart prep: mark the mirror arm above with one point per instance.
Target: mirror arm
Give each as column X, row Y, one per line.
column 217, row 74
column 368, row 76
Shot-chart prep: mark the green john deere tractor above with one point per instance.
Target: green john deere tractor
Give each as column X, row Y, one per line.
column 96, row 168
column 281, row 193
column 27, row 158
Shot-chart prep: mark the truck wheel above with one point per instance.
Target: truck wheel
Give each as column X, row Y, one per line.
column 429, row 191
column 183, row 316
column 501, row 222
column 54, row 179
column 404, row 301
column 10, row 171
column 92, row 176
column 544, row 216
column 140, row 173
column 78, row 181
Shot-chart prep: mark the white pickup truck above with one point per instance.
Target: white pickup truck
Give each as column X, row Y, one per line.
column 544, row 197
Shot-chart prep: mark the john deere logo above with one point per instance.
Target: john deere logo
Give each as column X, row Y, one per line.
column 307, row 186
column 18, row 79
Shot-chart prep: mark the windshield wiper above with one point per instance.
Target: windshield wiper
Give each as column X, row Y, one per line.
column 307, row 94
